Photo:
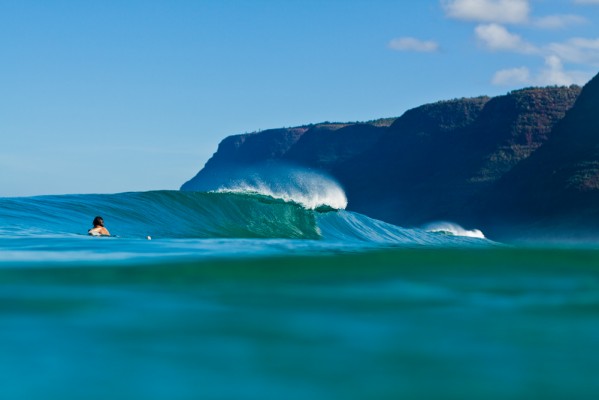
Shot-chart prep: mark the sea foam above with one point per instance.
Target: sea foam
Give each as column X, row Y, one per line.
column 454, row 229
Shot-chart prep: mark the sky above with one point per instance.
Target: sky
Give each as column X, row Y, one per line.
column 114, row 96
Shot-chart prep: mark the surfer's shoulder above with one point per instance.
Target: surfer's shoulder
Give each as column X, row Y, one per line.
column 98, row 231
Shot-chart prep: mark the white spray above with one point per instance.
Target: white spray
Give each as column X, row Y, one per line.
column 453, row 229
column 309, row 188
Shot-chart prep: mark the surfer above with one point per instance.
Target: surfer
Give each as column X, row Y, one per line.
column 98, row 229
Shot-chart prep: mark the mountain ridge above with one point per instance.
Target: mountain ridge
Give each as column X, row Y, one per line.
column 456, row 160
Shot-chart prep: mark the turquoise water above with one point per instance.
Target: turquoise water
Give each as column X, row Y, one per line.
column 246, row 296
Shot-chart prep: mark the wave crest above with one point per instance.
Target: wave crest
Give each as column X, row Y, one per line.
column 310, row 189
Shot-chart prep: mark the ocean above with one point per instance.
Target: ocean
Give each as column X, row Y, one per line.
column 247, row 295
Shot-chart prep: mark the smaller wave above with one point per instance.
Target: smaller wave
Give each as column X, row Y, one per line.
column 453, row 229
column 351, row 227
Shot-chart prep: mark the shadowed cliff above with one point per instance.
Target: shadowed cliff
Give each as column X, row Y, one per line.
column 557, row 187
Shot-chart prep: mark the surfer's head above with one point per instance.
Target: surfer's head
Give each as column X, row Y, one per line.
column 98, row 221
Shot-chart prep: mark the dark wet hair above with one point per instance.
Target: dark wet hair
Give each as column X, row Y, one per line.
column 98, row 221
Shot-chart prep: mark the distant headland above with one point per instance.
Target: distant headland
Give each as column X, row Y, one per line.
column 521, row 165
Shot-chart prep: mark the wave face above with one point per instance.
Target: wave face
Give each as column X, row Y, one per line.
column 161, row 214
column 192, row 215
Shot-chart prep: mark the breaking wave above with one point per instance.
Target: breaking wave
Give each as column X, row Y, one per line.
column 226, row 214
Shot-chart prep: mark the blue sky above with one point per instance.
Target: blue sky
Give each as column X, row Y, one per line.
column 112, row 96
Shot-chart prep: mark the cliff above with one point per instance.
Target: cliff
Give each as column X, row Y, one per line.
column 423, row 171
column 474, row 161
column 557, row 187
column 319, row 146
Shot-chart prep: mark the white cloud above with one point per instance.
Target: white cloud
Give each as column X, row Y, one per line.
column 512, row 76
column 495, row 37
column 553, row 73
column 560, row 58
column 413, row 44
column 558, row 21
column 501, row 11
column 577, row 50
